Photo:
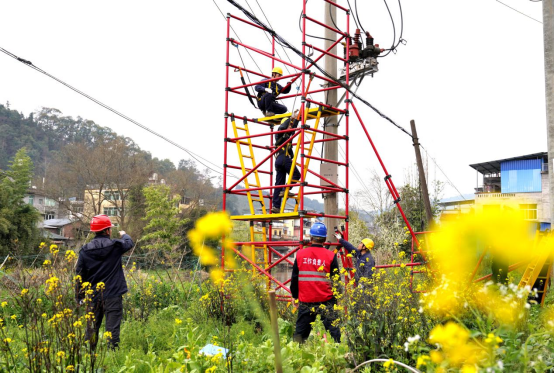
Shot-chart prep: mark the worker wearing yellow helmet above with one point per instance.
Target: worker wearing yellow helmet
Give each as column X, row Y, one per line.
column 364, row 262
column 268, row 90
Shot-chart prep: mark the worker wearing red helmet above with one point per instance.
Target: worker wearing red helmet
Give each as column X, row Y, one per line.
column 100, row 263
column 268, row 92
column 312, row 285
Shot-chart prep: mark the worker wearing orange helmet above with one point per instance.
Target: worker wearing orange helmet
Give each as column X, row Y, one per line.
column 364, row 261
column 268, row 92
column 99, row 265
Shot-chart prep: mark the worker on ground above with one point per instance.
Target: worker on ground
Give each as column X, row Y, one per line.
column 312, row 286
column 99, row 269
column 364, row 262
column 283, row 162
column 268, row 92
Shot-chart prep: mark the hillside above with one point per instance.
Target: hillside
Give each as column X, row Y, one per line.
column 47, row 133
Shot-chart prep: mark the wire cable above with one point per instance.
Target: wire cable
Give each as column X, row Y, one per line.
column 193, row 155
column 311, row 36
column 393, row 31
column 536, row 20
column 237, row 35
column 447, row 178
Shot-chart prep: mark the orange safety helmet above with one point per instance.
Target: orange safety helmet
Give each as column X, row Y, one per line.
column 100, row 222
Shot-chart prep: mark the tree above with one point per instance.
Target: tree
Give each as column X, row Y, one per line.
column 389, row 226
column 101, row 174
column 18, row 221
column 162, row 232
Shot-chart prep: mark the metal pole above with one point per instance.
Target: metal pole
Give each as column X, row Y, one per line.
column 422, row 181
column 331, row 147
column 548, row 35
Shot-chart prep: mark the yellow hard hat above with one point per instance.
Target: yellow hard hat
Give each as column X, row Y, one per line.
column 368, row 243
column 277, row 70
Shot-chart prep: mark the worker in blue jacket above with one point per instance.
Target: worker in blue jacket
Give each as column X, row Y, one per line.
column 267, row 93
column 364, row 262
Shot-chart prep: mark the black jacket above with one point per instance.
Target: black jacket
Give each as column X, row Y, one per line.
column 282, row 137
column 100, row 261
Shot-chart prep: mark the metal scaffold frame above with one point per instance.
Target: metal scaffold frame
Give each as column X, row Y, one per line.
column 303, row 140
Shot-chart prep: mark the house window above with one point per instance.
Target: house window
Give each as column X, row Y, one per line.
column 112, row 196
column 111, row 211
column 31, row 200
column 49, row 202
column 40, row 201
column 529, row 211
column 49, row 215
column 78, row 209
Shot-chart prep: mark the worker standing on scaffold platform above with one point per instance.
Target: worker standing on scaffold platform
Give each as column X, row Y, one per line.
column 268, row 91
column 364, row 262
column 283, row 162
column 312, row 285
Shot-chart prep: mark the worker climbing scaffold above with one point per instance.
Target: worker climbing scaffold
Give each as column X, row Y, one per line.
column 293, row 143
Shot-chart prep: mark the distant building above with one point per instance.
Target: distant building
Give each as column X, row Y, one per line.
column 105, row 201
column 47, row 207
column 519, row 183
column 63, row 229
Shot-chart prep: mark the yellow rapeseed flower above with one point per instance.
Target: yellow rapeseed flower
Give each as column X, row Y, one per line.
column 4, row 304
column 24, row 291
column 70, row 255
column 455, row 345
column 178, row 321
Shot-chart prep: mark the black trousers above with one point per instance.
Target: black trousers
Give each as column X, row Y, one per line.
column 268, row 103
column 307, row 313
column 112, row 309
column 282, row 167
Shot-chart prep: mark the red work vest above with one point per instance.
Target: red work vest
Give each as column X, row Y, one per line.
column 314, row 265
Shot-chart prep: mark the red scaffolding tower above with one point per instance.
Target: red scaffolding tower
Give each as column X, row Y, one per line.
column 253, row 139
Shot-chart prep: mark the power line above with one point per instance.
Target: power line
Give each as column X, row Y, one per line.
column 237, row 35
column 436, row 164
column 193, row 155
column 514, row 9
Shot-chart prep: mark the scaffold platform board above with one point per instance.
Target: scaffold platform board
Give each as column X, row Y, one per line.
column 311, row 114
column 268, row 217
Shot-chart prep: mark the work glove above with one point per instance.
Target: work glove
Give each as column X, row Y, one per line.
column 338, row 236
column 268, row 90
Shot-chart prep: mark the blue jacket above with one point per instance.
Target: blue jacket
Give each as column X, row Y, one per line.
column 364, row 263
column 276, row 88
column 100, row 261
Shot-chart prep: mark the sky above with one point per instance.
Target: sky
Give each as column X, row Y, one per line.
column 471, row 75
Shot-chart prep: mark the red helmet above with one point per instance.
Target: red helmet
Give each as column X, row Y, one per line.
column 100, row 222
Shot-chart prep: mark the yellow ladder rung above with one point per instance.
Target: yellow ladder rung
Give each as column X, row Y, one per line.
column 247, row 156
column 241, row 128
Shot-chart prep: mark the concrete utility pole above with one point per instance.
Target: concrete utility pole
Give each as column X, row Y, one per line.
column 548, row 32
column 331, row 147
column 421, row 171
